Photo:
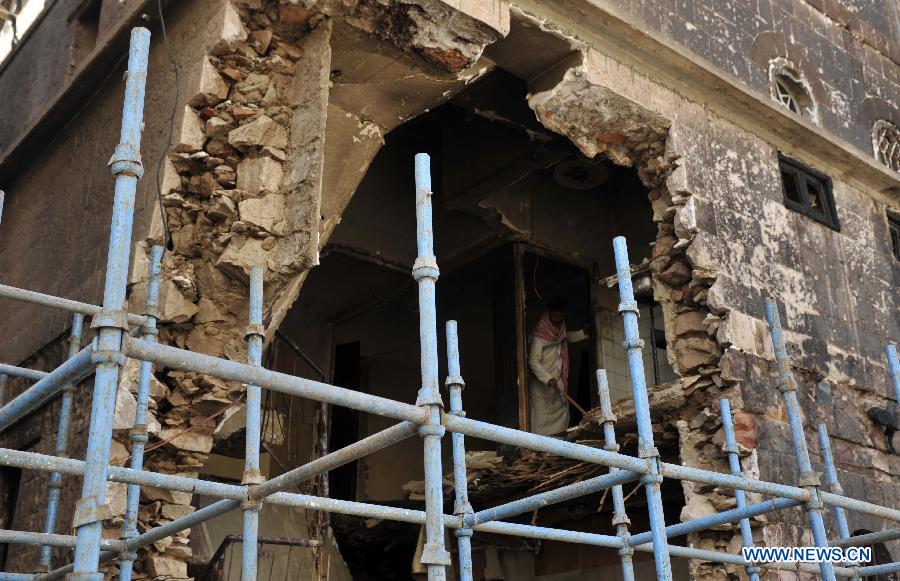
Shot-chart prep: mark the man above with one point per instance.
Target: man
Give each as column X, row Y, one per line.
column 548, row 360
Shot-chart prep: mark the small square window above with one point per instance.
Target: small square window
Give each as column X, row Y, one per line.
column 808, row 192
column 894, row 227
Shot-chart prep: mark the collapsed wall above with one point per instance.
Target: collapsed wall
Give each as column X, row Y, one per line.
column 242, row 186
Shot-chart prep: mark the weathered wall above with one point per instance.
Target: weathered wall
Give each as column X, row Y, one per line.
column 846, row 49
column 837, row 290
column 68, row 190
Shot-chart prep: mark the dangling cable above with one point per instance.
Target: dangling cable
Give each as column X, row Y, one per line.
column 537, row 293
column 165, row 153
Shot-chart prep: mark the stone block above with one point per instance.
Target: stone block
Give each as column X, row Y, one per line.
column 228, row 29
column 243, row 253
column 261, row 132
column 174, row 306
column 165, row 567
column 192, row 135
column 259, row 175
column 193, row 441
column 267, row 213
column 212, row 89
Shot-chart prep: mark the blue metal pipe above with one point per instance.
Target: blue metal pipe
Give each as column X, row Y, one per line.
column 646, row 448
column 890, row 352
column 175, row 358
column 139, row 435
column 112, row 322
column 252, row 475
column 620, row 517
column 62, row 441
column 874, row 570
column 355, row 451
column 30, row 460
column 831, row 478
column 787, row 385
column 513, row 529
column 720, row 518
column 462, row 509
column 36, row 298
column 425, row 272
column 734, row 464
column 23, row 372
column 561, row 494
column 71, row 372
column 868, row 539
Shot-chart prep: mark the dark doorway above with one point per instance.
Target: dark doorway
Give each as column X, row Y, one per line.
column 546, row 278
column 344, row 421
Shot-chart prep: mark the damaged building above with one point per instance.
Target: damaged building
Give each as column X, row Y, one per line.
column 746, row 150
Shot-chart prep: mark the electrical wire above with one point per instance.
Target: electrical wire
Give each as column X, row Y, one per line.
column 537, row 293
column 162, row 158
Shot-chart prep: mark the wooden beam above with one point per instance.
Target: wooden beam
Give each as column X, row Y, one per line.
column 554, row 152
column 521, row 342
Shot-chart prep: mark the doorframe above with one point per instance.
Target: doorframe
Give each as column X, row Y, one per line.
column 590, row 267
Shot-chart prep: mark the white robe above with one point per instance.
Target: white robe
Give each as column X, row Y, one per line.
column 549, row 409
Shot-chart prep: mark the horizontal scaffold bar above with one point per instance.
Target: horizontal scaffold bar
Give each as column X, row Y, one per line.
column 70, row 372
column 558, row 495
column 234, row 494
column 23, row 372
column 719, row 518
column 28, row 296
column 867, row 539
column 61, row 541
column 231, row 370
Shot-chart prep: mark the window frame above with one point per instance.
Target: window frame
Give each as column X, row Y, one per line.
column 893, row 221
column 803, row 175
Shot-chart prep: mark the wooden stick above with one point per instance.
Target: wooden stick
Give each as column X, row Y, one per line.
column 574, row 403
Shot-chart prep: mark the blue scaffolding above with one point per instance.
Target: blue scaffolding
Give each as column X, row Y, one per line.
column 120, row 335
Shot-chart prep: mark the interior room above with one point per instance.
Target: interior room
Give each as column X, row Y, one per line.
column 520, row 218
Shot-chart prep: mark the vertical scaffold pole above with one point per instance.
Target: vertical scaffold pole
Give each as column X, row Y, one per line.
column 425, row 272
column 252, row 475
column 62, row 441
column 809, row 480
column 461, row 507
column 620, row 518
column 646, row 448
column 111, row 323
column 734, row 464
column 139, row 435
column 890, row 352
column 831, row 479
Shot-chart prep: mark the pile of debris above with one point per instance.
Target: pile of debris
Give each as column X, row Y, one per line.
column 493, row 478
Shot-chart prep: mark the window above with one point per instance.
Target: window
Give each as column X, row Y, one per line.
column 808, row 192
column 790, row 88
column 894, row 227
column 886, row 143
